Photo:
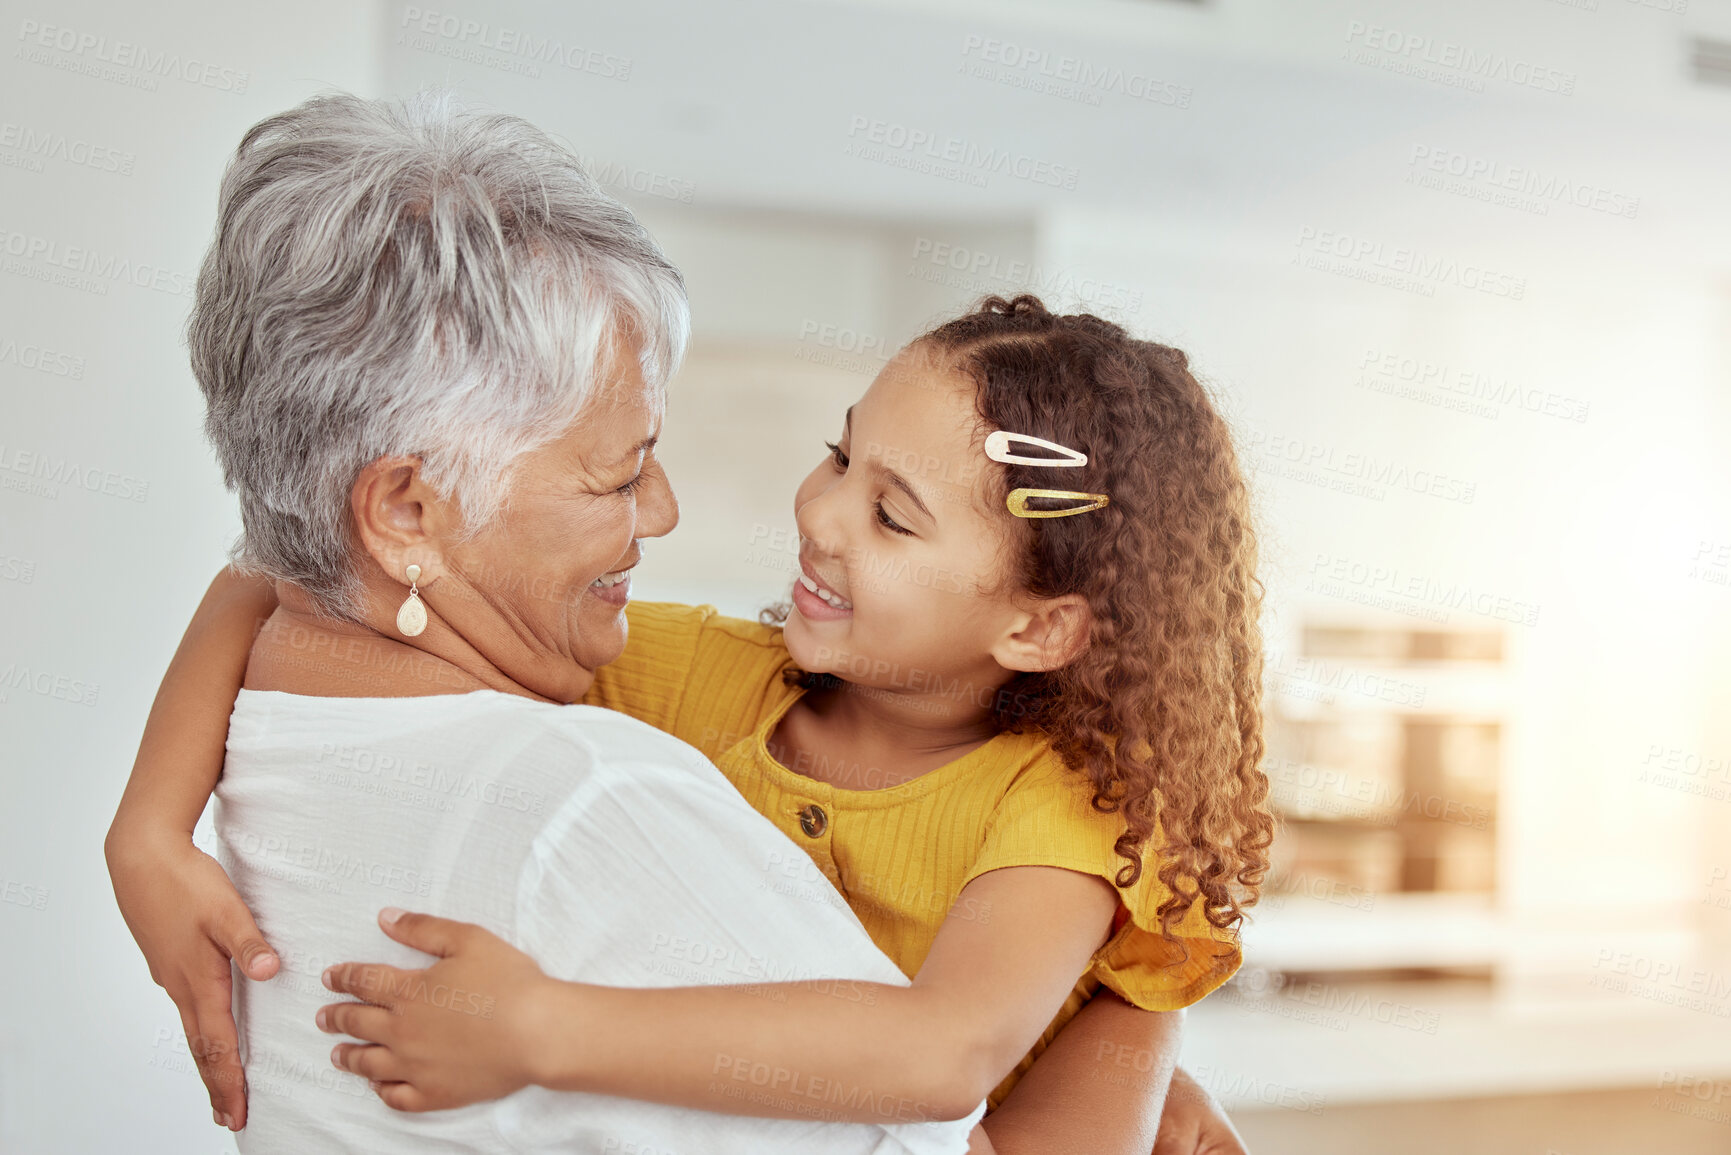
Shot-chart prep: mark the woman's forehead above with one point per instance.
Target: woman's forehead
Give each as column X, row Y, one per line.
column 612, row 433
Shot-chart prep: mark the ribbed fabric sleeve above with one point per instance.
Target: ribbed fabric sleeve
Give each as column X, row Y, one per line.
column 1048, row 819
column 695, row 673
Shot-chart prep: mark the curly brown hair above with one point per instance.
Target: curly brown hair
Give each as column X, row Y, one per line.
column 1162, row 711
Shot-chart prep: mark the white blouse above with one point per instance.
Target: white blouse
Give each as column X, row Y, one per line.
column 609, row 851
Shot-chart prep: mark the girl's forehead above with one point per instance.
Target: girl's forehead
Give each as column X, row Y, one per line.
column 920, row 427
column 920, row 399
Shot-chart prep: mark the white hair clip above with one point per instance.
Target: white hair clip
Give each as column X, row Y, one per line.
column 998, row 448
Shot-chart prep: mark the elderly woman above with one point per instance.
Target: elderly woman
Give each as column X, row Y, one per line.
column 434, row 354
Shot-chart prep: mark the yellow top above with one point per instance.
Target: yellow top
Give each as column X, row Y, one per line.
column 902, row 854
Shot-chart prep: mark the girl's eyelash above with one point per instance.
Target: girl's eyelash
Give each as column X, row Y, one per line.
column 840, row 459
column 884, row 520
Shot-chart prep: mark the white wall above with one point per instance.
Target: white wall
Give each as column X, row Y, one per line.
column 90, row 1051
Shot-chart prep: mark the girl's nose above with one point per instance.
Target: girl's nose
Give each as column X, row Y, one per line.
column 819, row 529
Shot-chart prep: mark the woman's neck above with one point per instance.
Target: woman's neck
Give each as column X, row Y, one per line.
column 300, row 651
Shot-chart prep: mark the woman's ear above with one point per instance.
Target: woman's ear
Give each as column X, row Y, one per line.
column 1046, row 635
column 399, row 518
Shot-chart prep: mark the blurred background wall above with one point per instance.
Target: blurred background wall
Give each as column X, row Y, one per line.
column 1459, row 273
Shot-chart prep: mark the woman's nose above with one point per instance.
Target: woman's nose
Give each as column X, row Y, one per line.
column 657, row 508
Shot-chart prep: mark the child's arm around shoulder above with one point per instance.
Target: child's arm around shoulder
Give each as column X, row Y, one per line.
column 178, row 902
column 181, row 753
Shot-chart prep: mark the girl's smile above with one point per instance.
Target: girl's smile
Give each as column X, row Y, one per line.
column 815, row 600
column 902, row 569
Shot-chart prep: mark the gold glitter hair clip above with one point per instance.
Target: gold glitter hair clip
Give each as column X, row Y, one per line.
column 1001, row 446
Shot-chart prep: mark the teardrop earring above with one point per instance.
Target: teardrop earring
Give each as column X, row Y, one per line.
column 412, row 614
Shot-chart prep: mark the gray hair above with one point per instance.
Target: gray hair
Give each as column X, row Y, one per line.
column 406, row 278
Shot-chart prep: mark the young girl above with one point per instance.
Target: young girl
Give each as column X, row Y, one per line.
column 1021, row 664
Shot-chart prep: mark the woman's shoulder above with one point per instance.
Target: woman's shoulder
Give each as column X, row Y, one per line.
column 483, row 725
column 620, row 739
column 600, row 736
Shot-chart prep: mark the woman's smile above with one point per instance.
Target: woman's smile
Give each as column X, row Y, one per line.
column 613, row 587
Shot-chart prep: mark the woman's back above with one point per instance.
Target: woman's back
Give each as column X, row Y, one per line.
column 607, row 850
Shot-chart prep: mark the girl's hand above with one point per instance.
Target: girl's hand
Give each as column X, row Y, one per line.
column 189, row 921
column 179, row 904
column 1194, row 1123
column 980, row 1143
column 462, row 1031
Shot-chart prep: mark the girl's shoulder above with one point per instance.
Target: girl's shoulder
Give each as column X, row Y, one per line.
column 1047, row 817
column 1048, row 802
column 675, row 633
column 693, row 672
column 670, row 647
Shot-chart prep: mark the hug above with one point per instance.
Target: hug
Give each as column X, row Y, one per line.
column 510, row 862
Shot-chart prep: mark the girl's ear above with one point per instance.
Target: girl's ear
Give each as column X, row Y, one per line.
column 1047, row 635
